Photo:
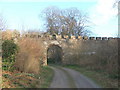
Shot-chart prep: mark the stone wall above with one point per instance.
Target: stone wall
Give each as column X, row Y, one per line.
column 99, row 53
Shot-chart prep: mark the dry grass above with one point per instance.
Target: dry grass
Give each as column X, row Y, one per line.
column 99, row 78
column 104, row 59
column 8, row 34
column 17, row 79
column 30, row 55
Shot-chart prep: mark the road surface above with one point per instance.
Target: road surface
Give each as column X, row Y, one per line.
column 68, row 78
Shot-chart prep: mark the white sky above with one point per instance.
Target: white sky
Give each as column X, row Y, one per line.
column 104, row 16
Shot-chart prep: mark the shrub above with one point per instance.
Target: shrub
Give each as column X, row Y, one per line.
column 105, row 58
column 8, row 34
column 29, row 55
column 9, row 49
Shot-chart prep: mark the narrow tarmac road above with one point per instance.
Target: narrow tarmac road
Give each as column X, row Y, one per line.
column 68, row 78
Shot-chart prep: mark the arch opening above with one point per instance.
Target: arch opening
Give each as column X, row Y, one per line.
column 54, row 54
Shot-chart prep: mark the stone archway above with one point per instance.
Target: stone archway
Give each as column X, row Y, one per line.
column 54, row 54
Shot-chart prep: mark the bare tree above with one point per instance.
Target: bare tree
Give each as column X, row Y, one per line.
column 51, row 16
column 65, row 22
column 2, row 22
column 116, row 5
column 75, row 22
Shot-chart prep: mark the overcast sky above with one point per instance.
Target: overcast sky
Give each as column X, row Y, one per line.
column 25, row 13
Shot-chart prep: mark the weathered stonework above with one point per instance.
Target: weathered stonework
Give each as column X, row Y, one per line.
column 66, row 41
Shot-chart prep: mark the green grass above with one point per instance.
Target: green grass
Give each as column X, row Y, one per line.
column 100, row 78
column 46, row 76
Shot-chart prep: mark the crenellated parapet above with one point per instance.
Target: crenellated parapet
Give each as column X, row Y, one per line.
column 58, row 37
column 74, row 46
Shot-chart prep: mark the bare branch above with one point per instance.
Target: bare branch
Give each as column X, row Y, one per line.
column 67, row 22
column 2, row 22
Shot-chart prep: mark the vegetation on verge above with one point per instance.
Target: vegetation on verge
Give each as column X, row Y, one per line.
column 30, row 55
column 46, row 76
column 21, row 64
column 17, row 79
column 101, row 78
column 9, row 50
column 96, row 55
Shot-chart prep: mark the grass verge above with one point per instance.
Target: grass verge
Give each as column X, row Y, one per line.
column 100, row 78
column 17, row 79
column 46, row 76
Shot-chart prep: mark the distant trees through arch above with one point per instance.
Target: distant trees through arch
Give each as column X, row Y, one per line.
column 54, row 54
